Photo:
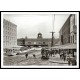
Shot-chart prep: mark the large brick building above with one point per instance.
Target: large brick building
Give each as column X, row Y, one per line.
column 64, row 33
column 67, row 33
column 39, row 41
column 9, row 34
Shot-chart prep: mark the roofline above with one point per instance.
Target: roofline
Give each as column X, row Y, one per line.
column 65, row 22
column 10, row 22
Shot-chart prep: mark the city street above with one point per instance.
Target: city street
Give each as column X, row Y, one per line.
column 20, row 60
column 40, row 43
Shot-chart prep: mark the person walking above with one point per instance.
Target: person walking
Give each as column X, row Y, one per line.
column 34, row 56
column 64, row 55
column 74, row 61
column 69, row 60
column 51, row 52
column 26, row 55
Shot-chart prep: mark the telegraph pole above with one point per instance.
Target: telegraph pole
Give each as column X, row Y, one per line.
column 52, row 40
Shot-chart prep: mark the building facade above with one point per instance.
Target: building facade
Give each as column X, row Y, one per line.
column 60, row 37
column 39, row 41
column 9, row 34
column 21, row 42
column 68, row 32
column 64, row 33
column 73, row 28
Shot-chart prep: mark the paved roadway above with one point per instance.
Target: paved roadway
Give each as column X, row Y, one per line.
column 20, row 60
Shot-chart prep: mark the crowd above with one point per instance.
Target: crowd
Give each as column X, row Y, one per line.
column 65, row 54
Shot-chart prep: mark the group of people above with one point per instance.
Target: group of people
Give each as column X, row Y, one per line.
column 69, row 56
column 64, row 54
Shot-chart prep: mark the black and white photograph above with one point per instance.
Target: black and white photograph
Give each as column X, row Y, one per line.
column 39, row 39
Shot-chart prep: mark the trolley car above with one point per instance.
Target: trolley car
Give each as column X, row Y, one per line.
column 45, row 53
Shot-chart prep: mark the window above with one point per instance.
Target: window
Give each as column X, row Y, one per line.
column 29, row 42
column 43, row 42
column 62, row 38
column 73, row 38
column 69, row 39
column 8, row 28
column 6, row 37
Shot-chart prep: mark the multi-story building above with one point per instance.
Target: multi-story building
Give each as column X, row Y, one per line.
column 64, row 33
column 73, row 28
column 9, row 34
column 68, row 32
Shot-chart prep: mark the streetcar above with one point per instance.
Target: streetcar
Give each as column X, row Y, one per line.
column 45, row 53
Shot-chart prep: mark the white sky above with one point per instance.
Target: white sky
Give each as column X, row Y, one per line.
column 31, row 24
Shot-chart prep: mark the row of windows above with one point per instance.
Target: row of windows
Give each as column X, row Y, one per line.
column 38, row 42
column 9, row 33
column 9, row 44
column 10, row 41
column 73, row 38
column 9, row 38
column 69, row 39
column 10, row 30
column 6, row 23
column 9, row 27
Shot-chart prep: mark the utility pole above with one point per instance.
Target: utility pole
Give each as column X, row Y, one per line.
column 52, row 40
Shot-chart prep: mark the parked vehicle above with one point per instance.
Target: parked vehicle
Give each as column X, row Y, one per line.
column 45, row 53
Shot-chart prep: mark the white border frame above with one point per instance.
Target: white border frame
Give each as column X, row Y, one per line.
column 2, row 66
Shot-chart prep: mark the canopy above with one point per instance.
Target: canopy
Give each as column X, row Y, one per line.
column 66, row 46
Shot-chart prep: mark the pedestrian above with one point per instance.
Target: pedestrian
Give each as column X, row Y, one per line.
column 51, row 53
column 60, row 55
column 34, row 56
column 69, row 60
column 74, row 61
column 26, row 55
column 64, row 55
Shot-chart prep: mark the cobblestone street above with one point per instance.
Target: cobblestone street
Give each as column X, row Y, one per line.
column 20, row 60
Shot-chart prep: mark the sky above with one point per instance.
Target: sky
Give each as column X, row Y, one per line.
column 29, row 25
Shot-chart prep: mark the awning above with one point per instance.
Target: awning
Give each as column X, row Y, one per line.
column 66, row 46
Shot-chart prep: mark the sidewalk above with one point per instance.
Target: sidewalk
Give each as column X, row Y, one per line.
column 57, row 59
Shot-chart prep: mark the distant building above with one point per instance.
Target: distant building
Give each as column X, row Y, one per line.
column 9, row 34
column 21, row 42
column 39, row 41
